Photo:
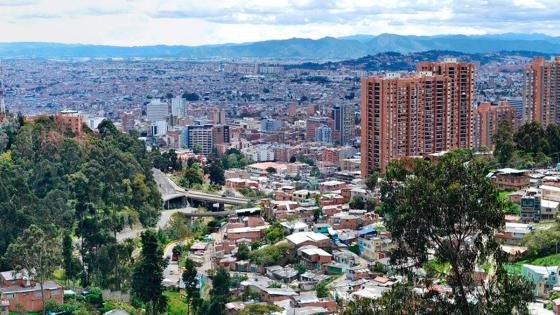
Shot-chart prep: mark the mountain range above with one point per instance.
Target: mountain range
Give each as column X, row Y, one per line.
column 354, row 46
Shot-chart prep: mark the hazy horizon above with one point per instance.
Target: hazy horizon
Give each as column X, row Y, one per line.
column 194, row 23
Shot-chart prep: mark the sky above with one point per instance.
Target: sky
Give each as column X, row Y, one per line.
column 199, row 22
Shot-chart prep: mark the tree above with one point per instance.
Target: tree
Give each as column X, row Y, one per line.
column 317, row 214
column 242, row 252
column 191, row 97
column 531, row 138
column 148, row 273
column 72, row 265
column 192, row 175
column 399, row 300
column 553, row 139
column 357, row 203
column 197, row 148
column 215, row 172
column 503, row 139
column 315, row 172
column 36, row 253
column 190, row 279
column 455, row 217
column 271, row 170
column 322, row 290
column 371, row 181
column 219, row 294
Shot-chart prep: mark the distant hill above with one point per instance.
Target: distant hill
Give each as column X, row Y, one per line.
column 299, row 48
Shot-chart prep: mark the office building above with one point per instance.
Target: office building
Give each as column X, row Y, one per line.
column 460, row 112
column 488, row 120
column 323, row 134
column 271, row 125
column 220, row 134
column 178, row 107
column 199, row 137
column 157, row 110
column 541, row 91
column 127, row 121
column 158, row 128
column 217, row 116
column 343, row 116
column 315, row 122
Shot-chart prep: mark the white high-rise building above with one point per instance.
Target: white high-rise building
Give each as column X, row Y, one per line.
column 157, row 110
column 158, row 128
column 178, row 107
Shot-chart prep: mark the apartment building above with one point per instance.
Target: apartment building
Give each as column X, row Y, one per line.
column 541, row 91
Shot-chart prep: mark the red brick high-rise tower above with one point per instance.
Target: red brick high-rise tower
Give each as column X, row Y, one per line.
column 541, row 91
column 417, row 114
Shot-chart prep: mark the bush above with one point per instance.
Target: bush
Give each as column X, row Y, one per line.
column 94, row 296
column 270, row 255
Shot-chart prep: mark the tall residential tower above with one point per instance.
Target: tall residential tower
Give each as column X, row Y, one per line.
column 416, row 114
column 541, row 91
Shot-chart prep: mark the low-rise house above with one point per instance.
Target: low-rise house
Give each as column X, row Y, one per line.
column 251, row 233
column 549, row 208
column 314, row 257
column 272, row 295
column 375, row 247
column 298, row 240
column 294, row 227
column 543, row 278
column 308, row 300
column 556, row 307
column 357, row 273
column 236, row 183
column 514, row 233
column 345, row 257
column 531, row 205
column 510, row 179
column 331, row 186
column 284, row 274
column 322, row 228
column 21, row 292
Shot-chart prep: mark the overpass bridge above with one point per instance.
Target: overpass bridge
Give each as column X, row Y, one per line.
column 172, row 193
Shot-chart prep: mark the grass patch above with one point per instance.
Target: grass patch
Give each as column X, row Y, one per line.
column 175, row 303
column 503, row 195
column 550, row 260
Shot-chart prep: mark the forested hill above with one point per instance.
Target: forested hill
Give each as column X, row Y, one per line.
column 90, row 186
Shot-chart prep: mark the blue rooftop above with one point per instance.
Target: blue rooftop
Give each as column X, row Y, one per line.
column 367, row 230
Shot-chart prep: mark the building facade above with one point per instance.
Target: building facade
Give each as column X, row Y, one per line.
column 199, row 137
column 157, row 110
column 323, row 134
column 461, row 79
column 416, row 115
column 541, row 91
column 488, row 119
column 343, row 116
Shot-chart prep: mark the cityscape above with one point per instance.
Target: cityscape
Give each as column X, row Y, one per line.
column 299, row 158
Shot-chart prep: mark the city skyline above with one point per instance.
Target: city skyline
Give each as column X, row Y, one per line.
column 129, row 23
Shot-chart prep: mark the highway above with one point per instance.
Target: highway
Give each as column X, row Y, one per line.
column 169, row 190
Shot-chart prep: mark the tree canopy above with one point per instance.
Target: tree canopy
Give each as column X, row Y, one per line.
column 454, row 220
column 90, row 186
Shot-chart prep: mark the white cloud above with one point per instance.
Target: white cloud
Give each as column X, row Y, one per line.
column 194, row 22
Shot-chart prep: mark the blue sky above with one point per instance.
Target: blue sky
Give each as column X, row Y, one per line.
column 196, row 22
